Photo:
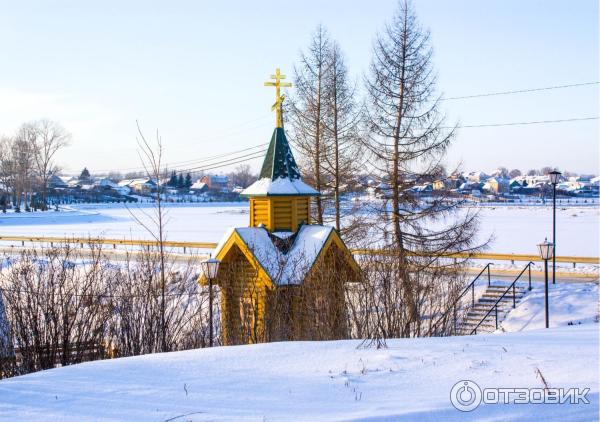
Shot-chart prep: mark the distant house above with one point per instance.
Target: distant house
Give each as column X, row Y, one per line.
column 123, row 190
column 72, row 182
column 446, row 184
column 468, row 187
column 142, row 186
column 422, row 189
column 476, row 177
column 199, row 187
column 56, row 182
column 216, row 183
column 496, row 185
column 516, row 184
column 439, row 184
column 106, row 183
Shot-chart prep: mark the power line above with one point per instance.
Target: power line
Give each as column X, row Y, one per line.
column 195, row 161
column 518, row 91
column 199, row 168
column 533, row 122
column 203, row 160
column 259, row 154
column 179, row 165
column 227, row 163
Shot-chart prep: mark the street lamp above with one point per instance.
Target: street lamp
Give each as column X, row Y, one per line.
column 210, row 268
column 554, row 179
column 546, row 252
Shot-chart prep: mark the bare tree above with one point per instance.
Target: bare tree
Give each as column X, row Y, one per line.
column 151, row 158
column 341, row 120
column 547, row 169
column 514, row 173
column 307, row 109
column 23, row 164
column 407, row 142
column 502, row 172
column 7, row 170
column 49, row 138
column 242, row 176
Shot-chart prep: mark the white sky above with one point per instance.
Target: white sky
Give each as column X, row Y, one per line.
column 195, row 70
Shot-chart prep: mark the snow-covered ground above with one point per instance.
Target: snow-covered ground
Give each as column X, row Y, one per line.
column 317, row 381
column 516, row 229
column 336, row 381
column 570, row 304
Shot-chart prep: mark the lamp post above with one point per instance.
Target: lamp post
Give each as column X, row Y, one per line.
column 210, row 268
column 546, row 252
column 554, row 179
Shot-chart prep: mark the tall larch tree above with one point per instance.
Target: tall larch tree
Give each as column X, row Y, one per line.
column 307, row 109
column 407, row 141
column 341, row 122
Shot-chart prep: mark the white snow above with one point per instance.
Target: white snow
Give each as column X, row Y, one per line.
column 515, row 229
column 279, row 186
column 288, row 268
column 569, row 304
column 520, row 229
column 317, row 381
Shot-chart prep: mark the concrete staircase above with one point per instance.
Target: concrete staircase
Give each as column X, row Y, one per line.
column 485, row 303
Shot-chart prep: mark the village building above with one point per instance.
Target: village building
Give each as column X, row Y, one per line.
column 282, row 278
column 216, row 182
column 142, row 186
column 496, row 185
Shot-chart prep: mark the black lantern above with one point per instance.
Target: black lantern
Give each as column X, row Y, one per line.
column 210, row 268
column 554, row 177
column 546, row 252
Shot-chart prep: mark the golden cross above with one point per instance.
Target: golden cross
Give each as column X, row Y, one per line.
column 278, row 97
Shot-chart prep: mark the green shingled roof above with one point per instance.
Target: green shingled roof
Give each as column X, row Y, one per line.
column 279, row 161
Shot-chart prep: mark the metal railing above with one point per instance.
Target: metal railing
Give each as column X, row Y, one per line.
column 470, row 286
column 494, row 307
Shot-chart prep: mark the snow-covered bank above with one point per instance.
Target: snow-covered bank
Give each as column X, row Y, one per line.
column 515, row 229
column 570, row 304
column 317, row 381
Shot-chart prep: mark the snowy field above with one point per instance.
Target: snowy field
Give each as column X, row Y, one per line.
column 515, row 229
column 318, row 381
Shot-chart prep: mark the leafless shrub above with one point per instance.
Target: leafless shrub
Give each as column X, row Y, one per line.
column 63, row 307
column 136, row 327
column 57, row 307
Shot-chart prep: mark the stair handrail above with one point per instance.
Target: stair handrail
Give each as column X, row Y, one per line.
column 465, row 290
column 512, row 286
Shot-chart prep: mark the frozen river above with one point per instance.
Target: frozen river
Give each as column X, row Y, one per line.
column 515, row 229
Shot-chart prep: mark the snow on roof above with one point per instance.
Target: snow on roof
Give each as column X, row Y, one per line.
column 282, row 268
column 279, row 186
column 138, row 181
column 283, row 235
column 198, row 185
